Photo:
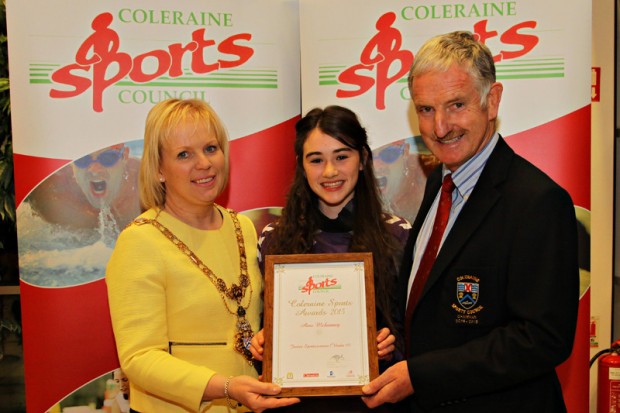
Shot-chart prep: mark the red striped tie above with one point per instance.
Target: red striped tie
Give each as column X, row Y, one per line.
column 430, row 253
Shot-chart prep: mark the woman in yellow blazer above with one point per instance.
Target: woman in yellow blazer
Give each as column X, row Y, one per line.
column 183, row 281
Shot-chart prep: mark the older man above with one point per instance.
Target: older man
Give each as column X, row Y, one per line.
column 490, row 282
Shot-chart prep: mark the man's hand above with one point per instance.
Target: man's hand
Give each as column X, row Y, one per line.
column 392, row 386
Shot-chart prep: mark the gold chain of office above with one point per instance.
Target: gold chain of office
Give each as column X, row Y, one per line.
column 236, row 292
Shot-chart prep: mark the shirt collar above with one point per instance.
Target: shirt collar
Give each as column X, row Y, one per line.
column 473, row 165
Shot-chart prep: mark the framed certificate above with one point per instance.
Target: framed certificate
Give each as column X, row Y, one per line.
column 320, row 328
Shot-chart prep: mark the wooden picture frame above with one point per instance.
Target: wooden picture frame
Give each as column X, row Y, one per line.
column 319, row 323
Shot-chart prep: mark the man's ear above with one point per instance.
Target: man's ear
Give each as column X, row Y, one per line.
column 493, row 99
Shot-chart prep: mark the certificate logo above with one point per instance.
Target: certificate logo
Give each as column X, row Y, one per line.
column 319, row 283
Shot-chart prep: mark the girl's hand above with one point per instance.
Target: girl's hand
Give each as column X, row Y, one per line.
column 385, row 344
column 256, row 345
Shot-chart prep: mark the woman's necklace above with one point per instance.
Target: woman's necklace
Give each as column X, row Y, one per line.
column 236, row 292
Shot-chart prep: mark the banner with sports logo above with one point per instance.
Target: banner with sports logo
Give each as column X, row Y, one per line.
column 84, row 74
column 357, row 54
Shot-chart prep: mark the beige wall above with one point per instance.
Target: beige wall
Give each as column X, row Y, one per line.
column 602, row 217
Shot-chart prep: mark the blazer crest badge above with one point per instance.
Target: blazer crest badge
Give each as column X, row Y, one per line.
column 467, row 294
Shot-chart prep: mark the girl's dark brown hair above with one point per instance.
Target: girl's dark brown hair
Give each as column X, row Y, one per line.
column 294, row 231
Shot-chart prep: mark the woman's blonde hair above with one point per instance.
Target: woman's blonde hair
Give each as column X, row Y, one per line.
column 161, row 123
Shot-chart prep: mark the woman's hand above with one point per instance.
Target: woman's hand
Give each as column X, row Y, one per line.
column 251, row 393
column 256, row 345
column 385, row 344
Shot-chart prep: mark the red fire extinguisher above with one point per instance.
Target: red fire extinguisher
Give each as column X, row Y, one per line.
column 608, row 399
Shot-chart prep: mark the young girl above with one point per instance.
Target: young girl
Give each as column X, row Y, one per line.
column 334, row 206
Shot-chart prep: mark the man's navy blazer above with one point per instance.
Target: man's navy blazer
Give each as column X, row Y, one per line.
column 498, row 312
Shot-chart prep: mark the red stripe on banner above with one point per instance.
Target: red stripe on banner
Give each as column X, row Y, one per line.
column 68, row 340
column 30, row 170
column 574, row 373
column 561, row 148
column 262, row 166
